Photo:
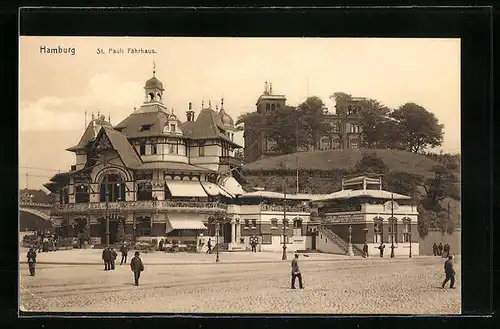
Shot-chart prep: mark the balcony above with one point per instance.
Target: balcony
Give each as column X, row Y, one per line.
column 229, row 161
column 175, row 206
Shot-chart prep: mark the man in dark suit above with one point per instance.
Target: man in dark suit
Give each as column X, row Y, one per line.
column 449, row 271
column 381, row 249
column 106, row 257
column 124, row 251
column 137, row 267
column 365, row 250
column 296, row 272
column 31, row 255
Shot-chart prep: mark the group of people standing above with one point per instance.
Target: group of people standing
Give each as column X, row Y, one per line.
column 46, row 241
column 109, row 256
column 441, row 250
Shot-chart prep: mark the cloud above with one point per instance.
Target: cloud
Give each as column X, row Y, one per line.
column 104, row 93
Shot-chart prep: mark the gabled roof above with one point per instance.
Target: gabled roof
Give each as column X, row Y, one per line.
column 121, row 145
column 148, row 114
column 208, row 125
column 90, row 134
column 174, row 166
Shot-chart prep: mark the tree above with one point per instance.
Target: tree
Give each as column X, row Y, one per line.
column 438, row 187
column 282, row 128
column 371, row 163
column 120, row 234
column 404, row 183
column 239, row 154
column 418, row 128
column 311, row 123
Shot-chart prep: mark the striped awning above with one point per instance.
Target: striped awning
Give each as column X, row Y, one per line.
column 182, row 223
column 182, row 188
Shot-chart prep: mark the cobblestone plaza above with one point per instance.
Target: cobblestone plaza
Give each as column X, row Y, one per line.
column 240, row 283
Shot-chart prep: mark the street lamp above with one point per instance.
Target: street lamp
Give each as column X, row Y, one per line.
column 392, row 226
column 217, row 237
column 409, row 231
column 283, row 257
column 349, row 248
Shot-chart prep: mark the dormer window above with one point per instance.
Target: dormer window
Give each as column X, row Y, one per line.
column 146, row 127
column 142, row 148
column 172, row 127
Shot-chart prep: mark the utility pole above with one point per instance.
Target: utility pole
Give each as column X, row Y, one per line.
column 297, row 153
column 283, row 257
column 392, row 226
column 106, row 196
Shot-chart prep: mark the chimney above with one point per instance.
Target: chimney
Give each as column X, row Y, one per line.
column 190, row 113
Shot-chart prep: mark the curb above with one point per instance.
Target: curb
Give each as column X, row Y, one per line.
column 222, row 262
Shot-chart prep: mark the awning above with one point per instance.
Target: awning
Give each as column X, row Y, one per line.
column 182, row 188
column 214, row 189
column 180, row 223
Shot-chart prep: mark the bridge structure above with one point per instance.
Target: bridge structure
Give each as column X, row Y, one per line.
column 42, row 210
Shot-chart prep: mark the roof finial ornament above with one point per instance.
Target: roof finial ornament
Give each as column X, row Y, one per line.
column 98, row 114
column 202, row 104
column 93, row 117
column 154, row 68
column 172, row 111
column 270, row 88
column 266, row 90
column 222, row 102
column 109, row 117
column 216, row 107
column 209, row 104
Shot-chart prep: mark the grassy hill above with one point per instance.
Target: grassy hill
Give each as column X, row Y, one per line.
column 344, row 159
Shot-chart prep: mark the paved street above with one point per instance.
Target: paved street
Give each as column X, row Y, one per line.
column 337, row 285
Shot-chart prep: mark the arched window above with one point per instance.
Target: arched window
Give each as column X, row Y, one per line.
column 144, row 191
column 393, row 230
column 151, row 97
column 377, row 230
column 273, row 107
column 113, row 187
column 268, row 107
column 297, row 227
column 274, row 223
column 406, row 230
column 143, row 226
column 82, row 193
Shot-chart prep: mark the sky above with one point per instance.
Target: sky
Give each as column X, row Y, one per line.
column 56, row 89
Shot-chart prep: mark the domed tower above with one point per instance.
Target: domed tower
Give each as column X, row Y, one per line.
column 154, row 88
column 227, row 121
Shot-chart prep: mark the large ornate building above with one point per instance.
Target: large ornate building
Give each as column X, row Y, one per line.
column 160, row 177
column 342, row 128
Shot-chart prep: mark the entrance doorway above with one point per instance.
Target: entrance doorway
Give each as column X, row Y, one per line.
column 226, row 232
column 113, row 229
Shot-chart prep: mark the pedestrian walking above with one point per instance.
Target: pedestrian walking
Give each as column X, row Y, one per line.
column 160, row 245
column 209, row 246
column 435, row 249
column 296, row 272
column 440, row 249
column 106, row 257
column 31, row 255
column 137, row 267
column 253, row 244
column 113, row 258
column 124, row 251
column 381, row 249
column 365, row 250
column 449, row 272
column 446, row 250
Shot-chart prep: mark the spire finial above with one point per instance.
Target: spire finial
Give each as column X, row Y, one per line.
column 154, row 68
column 222, row 102
column 266, row 90
column 172, row 111
column 270, row 88
column 109, row 117
column 202, row 104
column 93, row 117
column 216, row 107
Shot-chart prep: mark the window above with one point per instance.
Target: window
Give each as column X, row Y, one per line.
column 246, row 223
column 142, row 148
column 268, row 107
column 143, row 226
column 273, row 107
column 335, row 144
column 377, row 231
column 393, row 230
column 172, row 127
column 335, row 128
column 145, row 127
column 297, row 227
column 201, row 149
column 349, row 110
column 113, row 187
column 173, row 148
column 254, row 223
column 82, row 194
column 354, row 144
column 144, row 191
column 153, row 148
column 267, row 239
column 278, row 106
column 274, row 223
column 285, row 222
column 406, row 231
column 287, row 239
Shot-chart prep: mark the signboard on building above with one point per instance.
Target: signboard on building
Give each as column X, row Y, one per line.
column 341, row 219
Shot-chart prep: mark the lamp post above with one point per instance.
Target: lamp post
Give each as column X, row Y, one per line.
column 349, row 249
column 392, row 226
column 409, row 231
column 106, row 195
column 217, row 227
column 283, row 257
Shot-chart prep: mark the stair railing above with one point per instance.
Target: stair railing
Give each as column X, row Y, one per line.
column 338, row 240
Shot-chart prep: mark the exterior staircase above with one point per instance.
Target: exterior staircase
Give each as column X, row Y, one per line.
column 343, row 245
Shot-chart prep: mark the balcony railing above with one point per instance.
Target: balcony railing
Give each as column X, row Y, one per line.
column 141, row 206
column 279, row 208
